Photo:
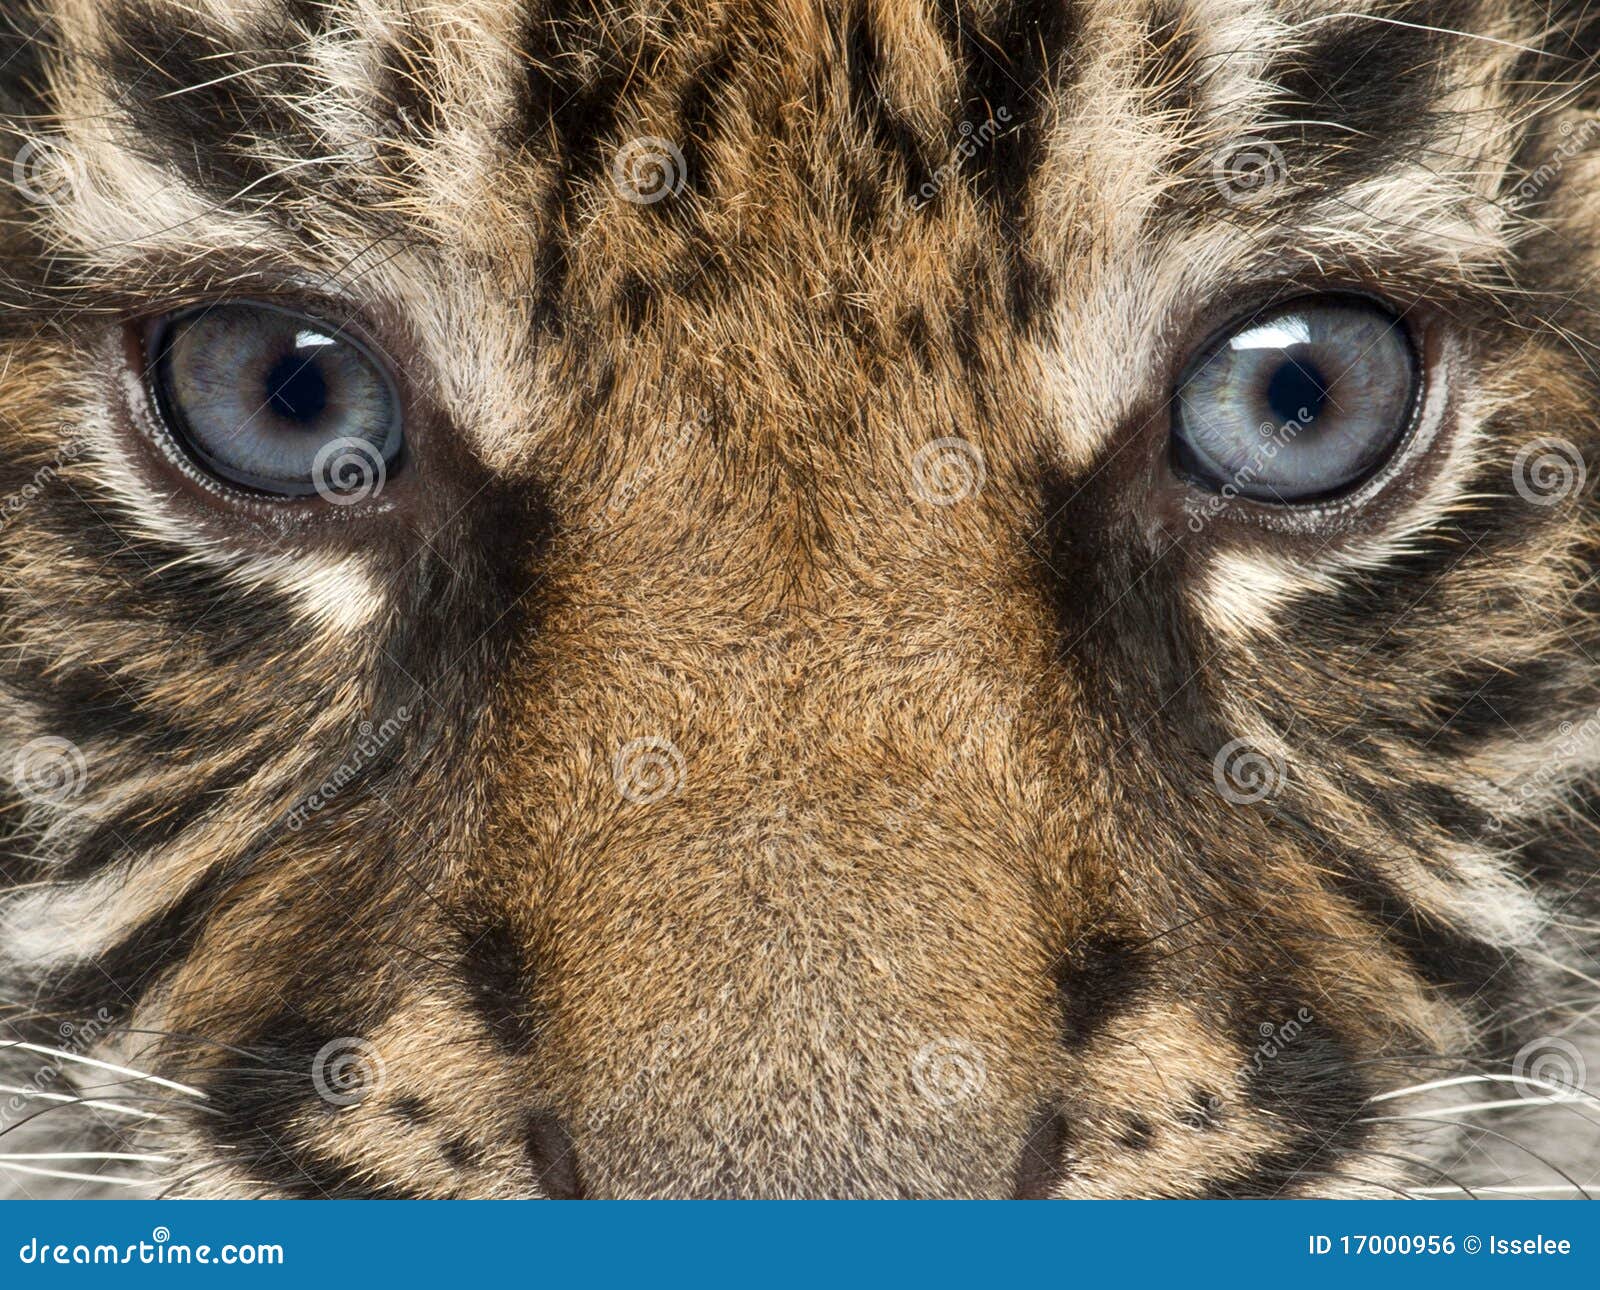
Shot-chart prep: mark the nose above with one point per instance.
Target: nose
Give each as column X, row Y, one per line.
column 1039, row 1165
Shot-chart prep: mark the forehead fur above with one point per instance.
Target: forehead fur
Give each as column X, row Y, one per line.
column 768, row 742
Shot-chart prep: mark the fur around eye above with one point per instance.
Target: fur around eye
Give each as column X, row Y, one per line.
column 274, row 401
column 1299, row 403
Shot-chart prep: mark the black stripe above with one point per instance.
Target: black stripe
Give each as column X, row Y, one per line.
column 699, row 112
column 147, row 826
column 1011, row 69
column 208, row 108
column 892, row 135
column 1361, row 94
column 1097, row 978
column 498, row 972
column 576, row 76
column 27, row 40
column 120, row 976
column 1459, row 964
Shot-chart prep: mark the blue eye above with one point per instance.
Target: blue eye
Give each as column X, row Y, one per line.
column 276, row 401
column 1299, row 403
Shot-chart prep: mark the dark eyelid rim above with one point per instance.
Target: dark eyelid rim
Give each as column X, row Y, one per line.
column 1416, row 404
column 155, row 327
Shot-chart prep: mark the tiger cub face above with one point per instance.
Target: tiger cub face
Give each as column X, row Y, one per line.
column 866, row 598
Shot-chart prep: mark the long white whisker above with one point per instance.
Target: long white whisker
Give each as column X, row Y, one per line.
column 72, row 1177
column 1526, row 1103
column 1551, row 1190
column 86, row 1155
column 1560, row 1090
column 98, row 1104
column 105, row 1066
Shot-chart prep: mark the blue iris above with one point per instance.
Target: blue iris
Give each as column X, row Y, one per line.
column 1297, row 403
column 257, row 394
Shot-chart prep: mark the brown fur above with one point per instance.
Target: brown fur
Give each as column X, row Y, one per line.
column 938, row 897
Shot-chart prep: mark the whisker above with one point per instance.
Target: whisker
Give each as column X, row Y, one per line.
column 72, row 1177
column 1458, row 1080
column 107, row 1066
column 1552, row 1189
column 1493, row 1133
column 86, row 1155
column 97, row 1104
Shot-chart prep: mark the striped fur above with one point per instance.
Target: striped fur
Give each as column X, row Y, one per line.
column 697, row 806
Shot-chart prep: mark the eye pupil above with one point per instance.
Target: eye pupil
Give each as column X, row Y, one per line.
column 1296, row 403
column 297, row 391
column 1296, row 389
column 271, row 400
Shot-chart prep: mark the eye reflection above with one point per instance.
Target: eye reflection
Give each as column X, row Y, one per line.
column 1299, row 404
column 258, row 395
